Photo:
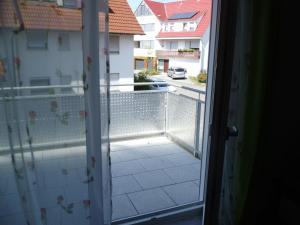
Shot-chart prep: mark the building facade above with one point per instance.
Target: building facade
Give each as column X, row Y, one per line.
column 48, row 51
column 177, row 34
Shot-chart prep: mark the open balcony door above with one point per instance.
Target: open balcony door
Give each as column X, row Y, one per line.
column 95, row 69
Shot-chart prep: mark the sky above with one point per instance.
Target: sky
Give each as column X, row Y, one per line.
column 135, row 3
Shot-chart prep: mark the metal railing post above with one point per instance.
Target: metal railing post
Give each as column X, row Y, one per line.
column 166, row 112
column 197, row 128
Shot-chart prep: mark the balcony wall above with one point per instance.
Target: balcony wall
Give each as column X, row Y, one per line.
column 176, row 53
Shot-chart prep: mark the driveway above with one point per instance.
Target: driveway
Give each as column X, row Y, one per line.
column 184, row 82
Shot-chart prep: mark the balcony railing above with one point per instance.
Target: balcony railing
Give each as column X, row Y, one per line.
column 59, row 120
column 175, row 53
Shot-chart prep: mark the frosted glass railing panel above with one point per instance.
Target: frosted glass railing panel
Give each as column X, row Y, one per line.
column 50, row 120
column 137, row 113
column 181, row 119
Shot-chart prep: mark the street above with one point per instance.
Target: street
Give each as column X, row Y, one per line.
column 185, row 83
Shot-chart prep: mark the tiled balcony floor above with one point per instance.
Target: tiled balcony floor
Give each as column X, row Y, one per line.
column 148, row 175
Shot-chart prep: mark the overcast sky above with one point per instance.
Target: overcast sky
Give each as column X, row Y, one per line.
column 134, row 3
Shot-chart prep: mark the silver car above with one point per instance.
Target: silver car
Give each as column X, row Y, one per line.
column 176, row 72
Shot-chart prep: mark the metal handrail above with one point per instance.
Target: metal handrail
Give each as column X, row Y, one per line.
column 111, row 85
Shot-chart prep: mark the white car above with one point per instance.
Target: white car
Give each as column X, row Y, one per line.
column 176, row 72
column 163, row 86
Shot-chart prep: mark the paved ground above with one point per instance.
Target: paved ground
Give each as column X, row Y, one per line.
column 147, row 175
column 152, row 174
column 184, row 82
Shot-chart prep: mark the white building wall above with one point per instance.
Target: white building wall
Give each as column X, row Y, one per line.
column 123, row 63
column 205, row 49
column 52, row 62
column 148, row 36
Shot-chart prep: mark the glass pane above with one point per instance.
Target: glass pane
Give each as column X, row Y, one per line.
column 49, row 174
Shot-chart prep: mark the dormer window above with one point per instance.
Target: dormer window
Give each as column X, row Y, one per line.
column 171, row 26
column 185, row 26
column 71, row 3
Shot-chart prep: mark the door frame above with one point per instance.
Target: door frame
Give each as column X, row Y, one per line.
column 216, row 115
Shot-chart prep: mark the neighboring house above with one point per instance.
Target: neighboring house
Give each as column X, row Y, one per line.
column 49, row 49
column 177, row 34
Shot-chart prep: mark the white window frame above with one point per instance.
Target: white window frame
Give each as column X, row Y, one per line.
column 171, row 26
column 148, row 27
column 32, row 37
column 117, row 50
column 72, row 4
column 40, row 91
column 150, row 42
column 172, row 43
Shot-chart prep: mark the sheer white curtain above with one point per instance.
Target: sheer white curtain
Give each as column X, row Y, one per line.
column 96, row 67
column 54, row 143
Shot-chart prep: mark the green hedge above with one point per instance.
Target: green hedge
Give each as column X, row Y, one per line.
column 141, row 77
column 148, row 72
column 186, row 50
column 202, row 77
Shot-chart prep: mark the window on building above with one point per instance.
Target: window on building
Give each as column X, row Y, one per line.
column 34, row 82
column 63, row 40
column 148, row 27
column 192, row 26
column 185, row 26
column 71, row 3
column 37, row 39
column 137, row 44
column 66, row 80
column 139, row 64
column 142, row 10
column 147, row 44
column 171, row 26
column 114, row 44
column 173, row 45
column 165, row 27
column 192, row 44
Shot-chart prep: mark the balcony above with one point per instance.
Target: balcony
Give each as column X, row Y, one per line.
column 175, row 53
column 155, row 136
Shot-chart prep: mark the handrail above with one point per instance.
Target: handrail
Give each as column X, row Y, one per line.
column 111, row 85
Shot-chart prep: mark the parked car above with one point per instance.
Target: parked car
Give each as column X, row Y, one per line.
column 176, row 72
column 164, row 86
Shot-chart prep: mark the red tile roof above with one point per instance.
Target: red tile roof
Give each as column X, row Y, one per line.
column 157, row 8
column 41, row 15
column 166, row 10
